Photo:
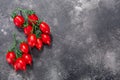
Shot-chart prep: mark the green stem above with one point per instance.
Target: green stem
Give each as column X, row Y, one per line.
column 18, row 53
column 25, row 14
column 14, row 43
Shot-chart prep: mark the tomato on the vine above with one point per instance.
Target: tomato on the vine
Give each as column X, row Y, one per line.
column 20, row 64
column 18, row 20
column 32, row 18
column 24, row 47
column 10, row 57
column 27, row 58
column 44, row 27
column 31, row 40
column 39, row 43
column 46, row 39
column 28, row 30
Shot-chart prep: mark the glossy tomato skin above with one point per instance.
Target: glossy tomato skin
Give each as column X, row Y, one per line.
column 44, row 27
column 20, row 64
column 27, row 58
column 28, row 30
column 31, row 40
column 18, row 21
column 24, row 47
column 46, row 39
column 10, row 57
column 32, row 18
column 39, row 43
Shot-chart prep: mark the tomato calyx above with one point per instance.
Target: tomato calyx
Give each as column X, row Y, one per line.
column 13, row 14
column 30, row 12
column 25, row 24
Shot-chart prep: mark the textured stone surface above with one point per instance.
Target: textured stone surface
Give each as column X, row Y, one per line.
column 86, row 38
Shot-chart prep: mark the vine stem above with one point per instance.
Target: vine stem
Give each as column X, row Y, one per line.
column 14, row 47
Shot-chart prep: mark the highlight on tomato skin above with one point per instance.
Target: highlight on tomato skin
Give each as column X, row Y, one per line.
column 18, row 20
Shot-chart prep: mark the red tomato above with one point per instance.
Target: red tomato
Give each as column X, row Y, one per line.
column 46, row 39
column 10, row 57
column 44, row 27
column 39, row 44
column 28, row 29
column 32, row 18
column 24, row 47
column 16, row 67
column 18, row 21
column 20, row 64
column 31, row 40
column 27, row 58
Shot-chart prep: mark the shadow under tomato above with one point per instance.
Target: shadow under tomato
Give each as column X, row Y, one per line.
column 35, row 52
column 19, row 29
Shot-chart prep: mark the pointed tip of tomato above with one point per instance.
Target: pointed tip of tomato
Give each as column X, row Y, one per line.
column 24, row 68
column 30, row 64
column 48, row 42
column 15, row 67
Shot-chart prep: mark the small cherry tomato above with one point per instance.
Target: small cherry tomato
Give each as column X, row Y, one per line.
column 46, row 39
column 44, row 27
column 32, row 18
column 20, row 64
column 16, row 66
column 24, row 47
column 10, row 57
column 31, row 40
column 28, row 29
column 27, row 58
column 39, row 44
column 18, row 20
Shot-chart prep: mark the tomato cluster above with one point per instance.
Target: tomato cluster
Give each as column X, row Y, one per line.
column 20, row 56
column 37, row 33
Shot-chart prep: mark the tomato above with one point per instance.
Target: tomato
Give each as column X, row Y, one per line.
column 31, row 40
column 32, row 18
column 27, row 58
column 20, row 64
column 24, row 47
column 46, row 39
column 28, row 29
column 16, row 66
column 10, row 57
column 18, row 21
column 44, row 27
column 39, row 44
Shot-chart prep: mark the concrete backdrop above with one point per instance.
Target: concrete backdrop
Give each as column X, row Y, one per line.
column 86, row 40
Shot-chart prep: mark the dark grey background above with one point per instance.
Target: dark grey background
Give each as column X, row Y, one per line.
column 86, row 40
